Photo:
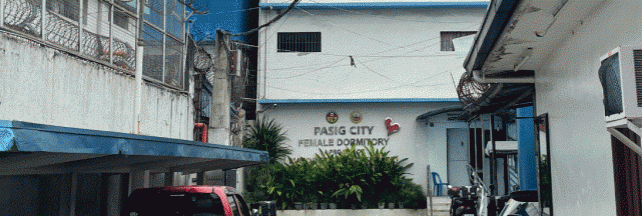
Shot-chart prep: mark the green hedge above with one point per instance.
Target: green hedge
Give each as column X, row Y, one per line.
column 369, row 176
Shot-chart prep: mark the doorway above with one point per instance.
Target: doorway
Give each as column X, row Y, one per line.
column 458, row 156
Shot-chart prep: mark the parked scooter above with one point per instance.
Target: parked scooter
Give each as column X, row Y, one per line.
column 469, row 200
column 463, row 200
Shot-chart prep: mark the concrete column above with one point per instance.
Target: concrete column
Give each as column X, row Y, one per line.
column 200, row 178
column 138, row 179
column 240, row 181
column 526, row 160
column 72, row 194
column 114, row 194
column 221, row 94
column 169, row 179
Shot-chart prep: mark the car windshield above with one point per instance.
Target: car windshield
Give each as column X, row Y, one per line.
column 163, row 203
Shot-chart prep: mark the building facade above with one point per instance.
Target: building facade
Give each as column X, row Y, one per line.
column 340, row 73
column 562, row 48
column 96, row 101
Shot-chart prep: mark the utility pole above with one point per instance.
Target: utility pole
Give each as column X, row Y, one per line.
column 221, row 92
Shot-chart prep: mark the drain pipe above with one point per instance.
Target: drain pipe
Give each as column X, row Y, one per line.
column 203, row 128
column 477, row 77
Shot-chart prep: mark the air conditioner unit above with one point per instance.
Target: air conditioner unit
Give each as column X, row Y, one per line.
column 621, row 77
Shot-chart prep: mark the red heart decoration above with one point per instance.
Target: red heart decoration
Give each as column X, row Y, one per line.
column 392, row 128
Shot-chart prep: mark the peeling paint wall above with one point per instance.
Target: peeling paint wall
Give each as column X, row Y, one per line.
column 569, row 90
column 42, row 85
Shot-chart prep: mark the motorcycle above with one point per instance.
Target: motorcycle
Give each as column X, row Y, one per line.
column 475, row 200
column 469, row 200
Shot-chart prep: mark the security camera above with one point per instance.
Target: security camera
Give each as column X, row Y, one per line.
column 274, row 105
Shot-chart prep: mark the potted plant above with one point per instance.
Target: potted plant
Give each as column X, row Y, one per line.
column 332, row 205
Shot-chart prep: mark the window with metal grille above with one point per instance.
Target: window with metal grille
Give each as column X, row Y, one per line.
column 67, row 8
column 448, row 36
column 121, row 19
column 299, row 42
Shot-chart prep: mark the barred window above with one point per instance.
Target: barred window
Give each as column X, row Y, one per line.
column 121, row 19
column 299, row 42
column 448, row 36
column 67, row 8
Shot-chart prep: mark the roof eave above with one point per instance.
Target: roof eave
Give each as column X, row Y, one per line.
column 497, row 17
column 380, row 5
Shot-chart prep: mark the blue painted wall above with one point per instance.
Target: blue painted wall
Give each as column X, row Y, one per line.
column 230, row 15
column 526, row 159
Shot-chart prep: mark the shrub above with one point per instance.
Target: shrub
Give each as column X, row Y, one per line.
column 354, row 176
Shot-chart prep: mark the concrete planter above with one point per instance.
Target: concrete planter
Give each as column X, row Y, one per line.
column 358, row 212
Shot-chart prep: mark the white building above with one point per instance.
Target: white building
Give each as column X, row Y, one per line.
column 566, row 45
column 371, row 60
column 87, row 115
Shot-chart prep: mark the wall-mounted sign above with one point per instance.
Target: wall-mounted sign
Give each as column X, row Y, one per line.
column 333, row 139
column 392, row 127
column 332, row 117
column 355, row 117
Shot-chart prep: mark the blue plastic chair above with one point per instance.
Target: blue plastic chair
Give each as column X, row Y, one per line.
column 438, row 184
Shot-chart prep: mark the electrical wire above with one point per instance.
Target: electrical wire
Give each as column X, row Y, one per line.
column 298, row 75
column 271, row 21
column 235, row 11
column 375, row 72
column 305, row 67
column 412, row 84
column 353, row 32
column 375, row 15
column 359, row 92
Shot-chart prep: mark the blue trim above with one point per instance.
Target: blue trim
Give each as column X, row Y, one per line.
column 379, row 5
column 526, row 159
column 393, row 100
column 30, row 137
column 495, row 22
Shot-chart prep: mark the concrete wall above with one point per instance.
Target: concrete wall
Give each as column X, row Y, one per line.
column 41, row 85
column 569, row 90
column 396, row 52
column 422, row 144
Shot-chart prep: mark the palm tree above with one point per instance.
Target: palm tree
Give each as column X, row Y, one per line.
column 267, row 135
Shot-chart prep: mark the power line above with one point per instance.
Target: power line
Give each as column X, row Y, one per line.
column 375, row 72
column 314, row 17
column 271, row 21
column 235, row 11
column 375, row 15
column 359, row 92
column 412, row 84
column 298, row 75
column 304, row 67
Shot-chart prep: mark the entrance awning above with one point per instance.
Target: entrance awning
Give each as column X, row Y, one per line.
column 29, row 148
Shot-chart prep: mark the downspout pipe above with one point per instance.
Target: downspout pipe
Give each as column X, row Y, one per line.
column 203, row 128
column 477, row 77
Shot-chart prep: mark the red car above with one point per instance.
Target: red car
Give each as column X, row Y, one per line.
column 185, row 201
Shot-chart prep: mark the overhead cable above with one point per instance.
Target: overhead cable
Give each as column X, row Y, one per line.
column 271, row 21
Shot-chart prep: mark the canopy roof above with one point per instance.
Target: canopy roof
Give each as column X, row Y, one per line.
column 29, row 148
